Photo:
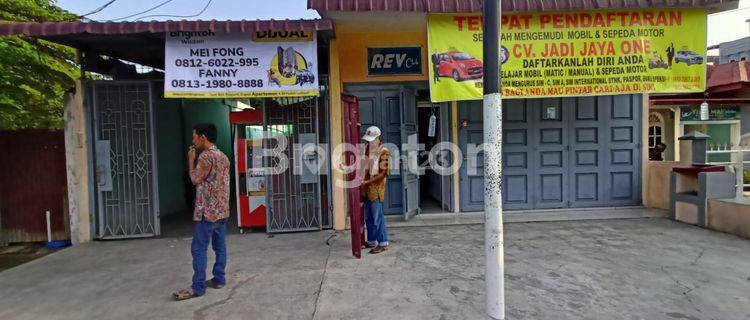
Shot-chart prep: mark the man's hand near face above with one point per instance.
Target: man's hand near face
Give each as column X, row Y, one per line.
column 191, row 157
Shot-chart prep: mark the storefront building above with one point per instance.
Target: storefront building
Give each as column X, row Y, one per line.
column 127, row 130
column 126, row 137
column 560, row 151
column 727, row 107
column 727, row 96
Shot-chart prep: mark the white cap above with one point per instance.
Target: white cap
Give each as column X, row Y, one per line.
column 371, row 134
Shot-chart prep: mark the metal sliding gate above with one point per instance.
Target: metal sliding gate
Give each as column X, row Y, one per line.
column 294, row 194
column 125, row 175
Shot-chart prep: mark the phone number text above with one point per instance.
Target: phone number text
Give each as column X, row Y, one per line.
column 213, row 84
column 218, row 62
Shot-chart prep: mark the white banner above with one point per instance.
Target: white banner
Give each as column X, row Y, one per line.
column 240, row 65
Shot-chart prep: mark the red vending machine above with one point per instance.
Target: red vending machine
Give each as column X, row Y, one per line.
column 251, row 183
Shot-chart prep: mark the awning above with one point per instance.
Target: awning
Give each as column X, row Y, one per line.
column 45, row 29
column 143, row 41
column 728, row 74
column 460, row 6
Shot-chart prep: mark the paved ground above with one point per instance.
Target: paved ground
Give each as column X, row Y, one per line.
column 613, row 269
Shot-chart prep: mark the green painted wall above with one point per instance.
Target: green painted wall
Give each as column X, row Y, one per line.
column 216, row 112
column 174, row 125
column 171, row 156
column 209, row 111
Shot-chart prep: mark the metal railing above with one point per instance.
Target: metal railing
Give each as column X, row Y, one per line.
column 739, row 163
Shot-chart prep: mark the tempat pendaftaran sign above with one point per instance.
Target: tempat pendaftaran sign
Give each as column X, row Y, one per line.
column 240, row 65
column 572, row 53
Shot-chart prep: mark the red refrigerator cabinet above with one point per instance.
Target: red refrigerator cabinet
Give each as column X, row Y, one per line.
column 251, row 183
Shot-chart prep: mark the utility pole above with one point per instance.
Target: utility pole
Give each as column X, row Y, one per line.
column 494, row 277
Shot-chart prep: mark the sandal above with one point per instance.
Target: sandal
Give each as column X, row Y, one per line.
column 213, row 284
column 378, row 249
column 184, row 294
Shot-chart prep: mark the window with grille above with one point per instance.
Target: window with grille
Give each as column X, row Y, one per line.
column 654, row 136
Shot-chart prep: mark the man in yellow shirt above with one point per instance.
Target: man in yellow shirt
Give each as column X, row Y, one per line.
column 377, row 163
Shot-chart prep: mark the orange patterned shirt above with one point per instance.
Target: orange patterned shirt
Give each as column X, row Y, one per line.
column 376, row 191
column 211, row 178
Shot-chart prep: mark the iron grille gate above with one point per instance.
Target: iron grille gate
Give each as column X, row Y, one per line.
column 294, row 194
column 124, row 155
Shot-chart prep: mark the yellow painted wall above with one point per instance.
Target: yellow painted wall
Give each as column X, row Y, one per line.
column 337, row 138
column 348, row 54
column 353, row 53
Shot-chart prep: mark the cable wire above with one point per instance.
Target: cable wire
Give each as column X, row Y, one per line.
column 97, row 10
column 144, row 11
column 179, row 16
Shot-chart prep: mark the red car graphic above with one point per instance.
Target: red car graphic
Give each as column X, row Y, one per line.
column 458, row 65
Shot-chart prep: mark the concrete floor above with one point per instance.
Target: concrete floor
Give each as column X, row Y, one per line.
column 605, row 269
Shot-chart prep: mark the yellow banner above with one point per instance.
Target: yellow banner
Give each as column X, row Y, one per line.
column 572, row 53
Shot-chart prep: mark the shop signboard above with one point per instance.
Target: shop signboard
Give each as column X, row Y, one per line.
column 714, row 113
column 581, row 53
column 240, row 65
column 394, row 61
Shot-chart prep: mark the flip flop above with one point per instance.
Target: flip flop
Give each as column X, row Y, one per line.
column 184, row 294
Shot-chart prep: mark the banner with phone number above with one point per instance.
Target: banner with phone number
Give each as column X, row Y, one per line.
column 572, row 53
column 240, row 65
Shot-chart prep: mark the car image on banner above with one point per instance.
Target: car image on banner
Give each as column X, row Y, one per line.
column 459, row 65
column 688, row 57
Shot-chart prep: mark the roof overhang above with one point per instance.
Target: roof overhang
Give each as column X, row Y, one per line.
column 467, row 6
column 142, row 42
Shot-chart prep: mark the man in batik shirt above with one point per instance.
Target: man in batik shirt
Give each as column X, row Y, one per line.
column 210, row 175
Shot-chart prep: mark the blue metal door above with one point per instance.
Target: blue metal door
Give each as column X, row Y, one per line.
column 559, row 153
column 518, row 165
column 606, row 151
column 586, row 156
column 472, row 169
column 381, row 107
column 622, row 150
column 550, row 157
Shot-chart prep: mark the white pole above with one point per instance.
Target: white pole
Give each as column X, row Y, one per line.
column 493, row 204
column 49, row 228
column 493, row 225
